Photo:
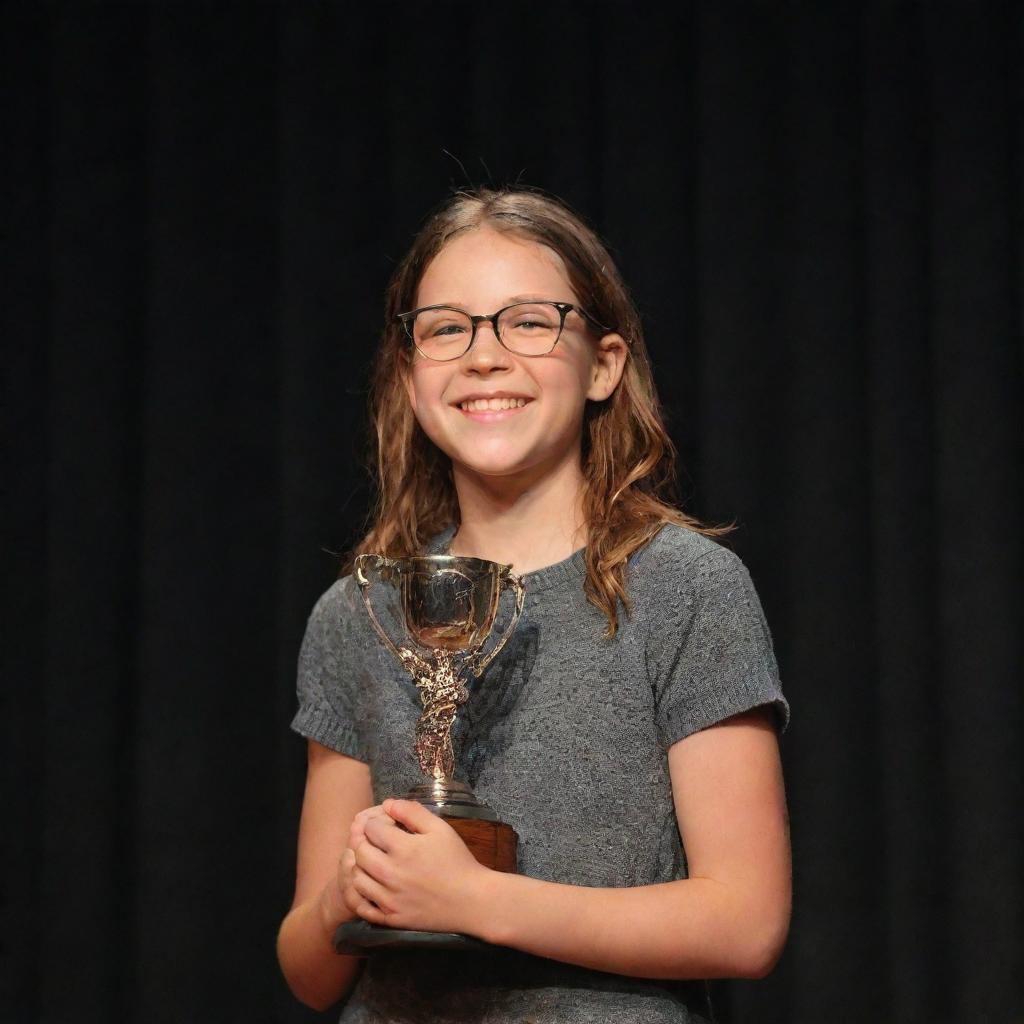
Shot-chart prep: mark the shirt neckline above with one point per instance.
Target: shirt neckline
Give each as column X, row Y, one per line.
column 569, row 570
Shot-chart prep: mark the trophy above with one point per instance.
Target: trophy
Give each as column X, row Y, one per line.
column 448, row 609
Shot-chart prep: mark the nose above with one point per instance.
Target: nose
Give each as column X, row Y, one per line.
column 487, row 354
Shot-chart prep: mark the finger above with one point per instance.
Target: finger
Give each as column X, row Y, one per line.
column 368, row 912
column 346, row 862
column 383, row 833
column 358, row 826
column 374, row 862
column 370, row 889
column 369, row 812
column 414, row 816
column 352, row 894
column 350, row 897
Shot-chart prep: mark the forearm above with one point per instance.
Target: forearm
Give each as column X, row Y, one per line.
column 317, row 975
column 693, row 928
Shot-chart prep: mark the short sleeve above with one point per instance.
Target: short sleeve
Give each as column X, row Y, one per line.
column 323, row 686
column 710, row 656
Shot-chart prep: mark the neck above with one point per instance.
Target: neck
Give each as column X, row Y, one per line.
column 526, row 523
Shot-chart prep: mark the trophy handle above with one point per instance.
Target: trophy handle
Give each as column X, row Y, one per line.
column 477, row 664
column 385, row 567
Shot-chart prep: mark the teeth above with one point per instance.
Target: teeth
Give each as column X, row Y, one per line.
column 492, row 404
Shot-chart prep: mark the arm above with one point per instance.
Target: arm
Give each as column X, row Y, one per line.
column 728, row 919
column 337, row 787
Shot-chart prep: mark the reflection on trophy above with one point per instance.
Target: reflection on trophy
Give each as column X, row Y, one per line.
column 448, row 608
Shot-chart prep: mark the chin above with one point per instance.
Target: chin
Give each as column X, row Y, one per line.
column 492, row 460
column 496, row 470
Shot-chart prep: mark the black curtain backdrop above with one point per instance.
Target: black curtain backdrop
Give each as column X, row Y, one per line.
column 819, row 208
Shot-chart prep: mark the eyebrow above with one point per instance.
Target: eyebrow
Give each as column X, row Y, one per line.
column 508, row 302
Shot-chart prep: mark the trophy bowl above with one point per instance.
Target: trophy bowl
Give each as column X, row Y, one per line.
column 449, row 603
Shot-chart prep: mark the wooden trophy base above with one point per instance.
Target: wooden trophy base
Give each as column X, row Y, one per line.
column 493, row 843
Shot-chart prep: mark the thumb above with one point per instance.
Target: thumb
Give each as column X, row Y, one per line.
column 414, row 816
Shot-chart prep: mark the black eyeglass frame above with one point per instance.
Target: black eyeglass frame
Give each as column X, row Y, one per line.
column 564, row 309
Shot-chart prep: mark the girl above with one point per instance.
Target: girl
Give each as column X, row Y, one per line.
column 628, row 730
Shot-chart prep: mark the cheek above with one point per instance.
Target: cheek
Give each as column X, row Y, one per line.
column 423, row 388
column 571, row 383
column 425, row 393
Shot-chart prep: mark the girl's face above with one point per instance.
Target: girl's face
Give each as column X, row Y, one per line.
column 482, row 271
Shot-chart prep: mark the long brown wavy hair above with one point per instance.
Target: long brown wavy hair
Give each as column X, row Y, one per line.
column 628, row 457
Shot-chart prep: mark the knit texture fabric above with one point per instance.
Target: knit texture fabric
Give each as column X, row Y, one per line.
column 566, row 736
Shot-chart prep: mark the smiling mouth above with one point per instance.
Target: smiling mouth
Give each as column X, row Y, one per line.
column 492, row 404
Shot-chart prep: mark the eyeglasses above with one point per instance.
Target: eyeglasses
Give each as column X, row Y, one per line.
column 443, row 333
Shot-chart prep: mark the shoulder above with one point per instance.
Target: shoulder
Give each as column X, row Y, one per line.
column 678, row 560
column 335, row 621
column 332, row 650
column 337, row 601
column 680, row 576
column 681, row 542
column 708, row 646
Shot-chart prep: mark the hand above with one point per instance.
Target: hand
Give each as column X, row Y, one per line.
column 339, row 898
column 409, row 869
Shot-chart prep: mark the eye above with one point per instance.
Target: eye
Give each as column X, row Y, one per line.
column 529, row 319
column 441, row 324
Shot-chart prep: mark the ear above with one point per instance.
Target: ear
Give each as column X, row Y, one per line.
column 609, row 361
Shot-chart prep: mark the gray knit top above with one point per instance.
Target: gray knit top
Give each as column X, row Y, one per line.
column 566, row 736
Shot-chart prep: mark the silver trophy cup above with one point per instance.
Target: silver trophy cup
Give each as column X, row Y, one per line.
column 448, row 608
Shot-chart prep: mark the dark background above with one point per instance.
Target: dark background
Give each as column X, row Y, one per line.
column 819, row 207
